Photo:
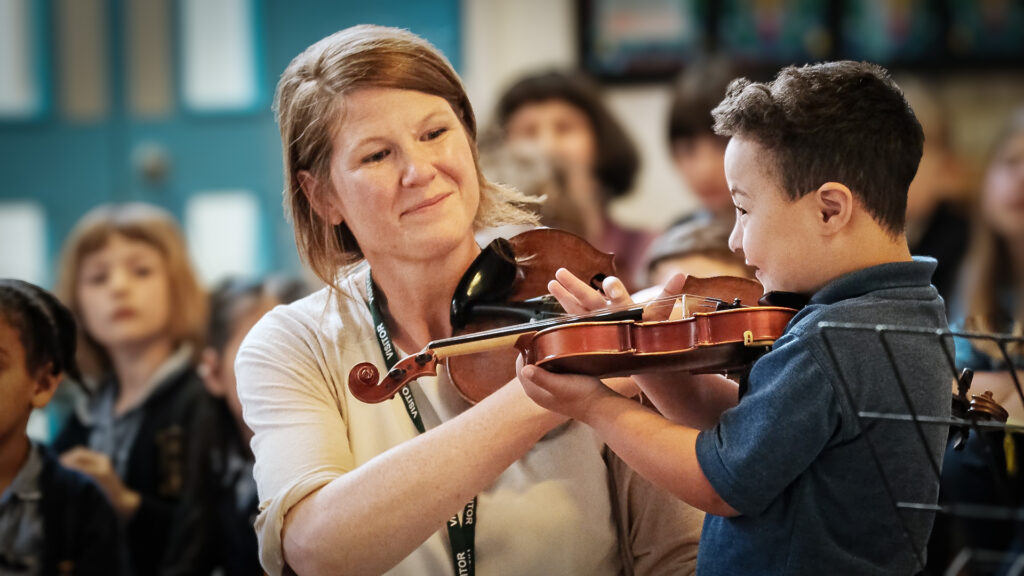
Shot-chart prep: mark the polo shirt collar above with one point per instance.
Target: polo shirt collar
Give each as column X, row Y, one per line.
column 913, row 274
column 26, row 484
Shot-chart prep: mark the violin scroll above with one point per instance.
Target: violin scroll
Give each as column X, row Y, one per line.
column 367, row 386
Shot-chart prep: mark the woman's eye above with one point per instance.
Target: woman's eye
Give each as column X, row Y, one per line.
column 435, row 134
column 375, row 157
column 143, row 271
column 740, row 211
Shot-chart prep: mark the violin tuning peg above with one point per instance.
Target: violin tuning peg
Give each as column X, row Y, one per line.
column 423, row 358
column 396, row 374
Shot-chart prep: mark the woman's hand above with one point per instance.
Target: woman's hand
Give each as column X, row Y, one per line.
column 99, row 467
column 568, row 394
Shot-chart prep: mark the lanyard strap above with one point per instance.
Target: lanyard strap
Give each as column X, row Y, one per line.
column 461, row 533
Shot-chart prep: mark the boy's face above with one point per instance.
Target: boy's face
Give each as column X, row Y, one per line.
column 775, row 235
column 20, row 390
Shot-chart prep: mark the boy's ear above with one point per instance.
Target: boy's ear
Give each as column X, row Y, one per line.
column 209, row 370
column 45, row 386
column 835, row 206
column 320, row 197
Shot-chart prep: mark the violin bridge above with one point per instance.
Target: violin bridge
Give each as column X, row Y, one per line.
column 750, row 342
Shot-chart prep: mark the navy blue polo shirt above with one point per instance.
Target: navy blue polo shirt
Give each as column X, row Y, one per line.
column 792, row 458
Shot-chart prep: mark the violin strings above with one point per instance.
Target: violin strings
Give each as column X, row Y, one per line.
column 703, row 301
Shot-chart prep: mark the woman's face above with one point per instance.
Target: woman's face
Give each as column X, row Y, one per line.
column 559, row 129
column 124, row 293
column 1003, row 197
column 403, row 176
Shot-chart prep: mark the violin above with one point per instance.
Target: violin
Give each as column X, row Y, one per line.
column 726, row 336
column 506, row 285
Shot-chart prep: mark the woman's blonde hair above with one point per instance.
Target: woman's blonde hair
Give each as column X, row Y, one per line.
column 988, row 272
column 308, row 106
column 142, row 223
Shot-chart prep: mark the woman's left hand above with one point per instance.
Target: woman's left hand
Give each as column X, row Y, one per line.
column 568, row 394
column 99, row 467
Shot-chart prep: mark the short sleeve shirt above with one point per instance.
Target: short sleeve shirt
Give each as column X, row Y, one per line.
column 793, row 458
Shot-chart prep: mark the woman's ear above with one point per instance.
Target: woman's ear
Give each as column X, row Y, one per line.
column 320, row 197
column 835, row 206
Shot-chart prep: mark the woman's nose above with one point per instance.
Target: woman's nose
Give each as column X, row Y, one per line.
column 419, row 169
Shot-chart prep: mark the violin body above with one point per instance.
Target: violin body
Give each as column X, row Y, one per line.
column 704, row 342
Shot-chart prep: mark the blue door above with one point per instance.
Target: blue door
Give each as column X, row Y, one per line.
column 167, row 102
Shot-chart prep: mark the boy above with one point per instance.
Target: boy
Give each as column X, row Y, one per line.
column 818, row 165
column 52, row 520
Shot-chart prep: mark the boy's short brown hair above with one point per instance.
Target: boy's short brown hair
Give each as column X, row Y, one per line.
column 844, row 122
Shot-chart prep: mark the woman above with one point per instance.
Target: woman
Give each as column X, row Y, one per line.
column 564, row 116
column 380, row 158
column 987, row 469
column 125, row 274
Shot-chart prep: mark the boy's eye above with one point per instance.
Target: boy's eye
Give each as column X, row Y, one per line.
column 740, row 211
column 143, row 271
column 375, row 157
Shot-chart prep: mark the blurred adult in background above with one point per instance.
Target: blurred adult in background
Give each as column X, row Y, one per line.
column 535, row 174
column 382, row 177
column 937, row 203
column 564, row 115
column 991, row 300
column 214, row 523
column 125, row 274
column 52, row 520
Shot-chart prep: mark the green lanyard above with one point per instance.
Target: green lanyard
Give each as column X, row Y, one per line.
column 460, row 533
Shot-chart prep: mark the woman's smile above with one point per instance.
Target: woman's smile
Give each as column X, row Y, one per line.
column 426, row 205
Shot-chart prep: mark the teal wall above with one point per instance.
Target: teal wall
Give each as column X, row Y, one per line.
column 70, row 167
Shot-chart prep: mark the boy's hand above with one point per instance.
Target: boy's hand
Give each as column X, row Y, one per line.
column 99, row 467
column 568, row 394
column 577, row 297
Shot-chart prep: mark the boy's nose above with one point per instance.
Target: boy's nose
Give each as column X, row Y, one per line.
column 736, row 237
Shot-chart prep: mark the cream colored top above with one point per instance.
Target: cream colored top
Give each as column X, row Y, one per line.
column 551, row 512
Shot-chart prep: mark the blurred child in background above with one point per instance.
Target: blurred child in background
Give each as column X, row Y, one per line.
column 214, row 527
column 991, row 300
column 52, row 520
column 126, row 275
column 698, row 154
column 937, row 215
column 697, row 247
